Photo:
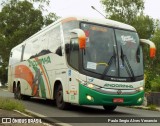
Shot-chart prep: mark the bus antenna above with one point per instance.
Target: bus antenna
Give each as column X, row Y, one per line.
column 98, row 11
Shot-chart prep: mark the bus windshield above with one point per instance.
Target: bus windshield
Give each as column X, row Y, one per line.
column 112, row 52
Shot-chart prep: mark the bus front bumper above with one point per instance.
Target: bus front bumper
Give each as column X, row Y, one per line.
column 89, row 96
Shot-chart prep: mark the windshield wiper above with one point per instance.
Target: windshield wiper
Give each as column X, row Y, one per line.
column 129, row 68
column 109, row 64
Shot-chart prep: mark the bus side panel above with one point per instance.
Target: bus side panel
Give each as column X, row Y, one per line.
column 37, row 75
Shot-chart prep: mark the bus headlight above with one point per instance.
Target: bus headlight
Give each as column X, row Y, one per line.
column 89, row 85
column 140, row 89
column 92, row 86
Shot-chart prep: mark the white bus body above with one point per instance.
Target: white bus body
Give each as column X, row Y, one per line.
column 80, row 60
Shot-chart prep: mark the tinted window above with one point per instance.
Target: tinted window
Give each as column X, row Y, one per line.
column 74, row 52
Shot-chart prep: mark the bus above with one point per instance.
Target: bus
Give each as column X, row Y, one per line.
column 83, row 61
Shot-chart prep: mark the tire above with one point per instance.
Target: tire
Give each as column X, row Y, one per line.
column 19, row 96
column 15, row 91
column 59, row 99
column 109, row 108
column 25, row 97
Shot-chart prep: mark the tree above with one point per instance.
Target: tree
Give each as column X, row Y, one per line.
column 123, row 10
column 18, row 21
column 144, row 25
column 152, row 66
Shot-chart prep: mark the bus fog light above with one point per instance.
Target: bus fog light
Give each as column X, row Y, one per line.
column 90, row 98
column 140, row 99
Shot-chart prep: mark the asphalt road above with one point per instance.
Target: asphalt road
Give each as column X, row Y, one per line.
column 90, row 115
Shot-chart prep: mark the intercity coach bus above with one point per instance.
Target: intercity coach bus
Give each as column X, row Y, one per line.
column 80, row 61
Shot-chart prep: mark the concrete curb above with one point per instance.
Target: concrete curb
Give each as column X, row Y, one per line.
column 145, row 108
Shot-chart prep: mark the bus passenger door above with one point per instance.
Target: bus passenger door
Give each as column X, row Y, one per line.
column 73, row 85
column 73, row 74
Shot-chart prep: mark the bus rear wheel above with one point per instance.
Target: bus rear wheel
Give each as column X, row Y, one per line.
column 59, row 98
column 15, row 91
column 19, row 92
column 109, row 108
column 20, row 96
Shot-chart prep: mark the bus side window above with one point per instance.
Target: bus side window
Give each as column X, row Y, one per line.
column 59, row 51
column 43, row 52
column 74, row 52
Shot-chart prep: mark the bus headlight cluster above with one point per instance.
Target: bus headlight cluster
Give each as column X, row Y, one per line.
column 92, row 86
column 89, row 85
column 140, row 89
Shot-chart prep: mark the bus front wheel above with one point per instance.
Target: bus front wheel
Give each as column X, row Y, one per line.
column 109, row 108
column 59, row 98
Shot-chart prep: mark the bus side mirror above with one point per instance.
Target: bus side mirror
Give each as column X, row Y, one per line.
column 152, row 47
column 78, row 33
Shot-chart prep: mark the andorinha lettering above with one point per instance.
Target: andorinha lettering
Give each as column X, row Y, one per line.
column 44, row 60
column 118, row 85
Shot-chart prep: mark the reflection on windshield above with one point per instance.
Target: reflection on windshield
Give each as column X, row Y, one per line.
column 128, row 43
column 103, row 54
column 99, row 48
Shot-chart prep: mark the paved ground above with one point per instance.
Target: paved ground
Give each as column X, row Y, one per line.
column 49, row 110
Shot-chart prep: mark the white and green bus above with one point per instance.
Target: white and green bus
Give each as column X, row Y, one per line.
column 80, row 61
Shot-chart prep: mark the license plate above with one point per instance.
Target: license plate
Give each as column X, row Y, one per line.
column 118, row 100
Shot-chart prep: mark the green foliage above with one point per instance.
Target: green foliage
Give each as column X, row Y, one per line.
column 123, row 10
column 50, row 18
column 155, row 85
column 18, row 22
column 152, row 65
column 152, row 107
column 144, row 25
column 11, row 104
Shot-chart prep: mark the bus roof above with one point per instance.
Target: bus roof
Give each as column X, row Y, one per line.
column 106, row 22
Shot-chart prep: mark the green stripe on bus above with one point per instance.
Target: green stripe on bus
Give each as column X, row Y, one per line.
column 48, row 78
column 41, row 84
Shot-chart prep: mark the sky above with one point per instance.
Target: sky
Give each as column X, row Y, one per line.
column 83, row 8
